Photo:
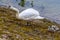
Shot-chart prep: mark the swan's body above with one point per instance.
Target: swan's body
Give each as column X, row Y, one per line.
column 29, row 14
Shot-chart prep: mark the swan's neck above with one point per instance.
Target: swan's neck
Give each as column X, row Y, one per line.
column 17, row 15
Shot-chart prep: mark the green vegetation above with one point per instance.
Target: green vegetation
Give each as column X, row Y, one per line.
column 22, row 3
column 32, row 3
column 16, row 29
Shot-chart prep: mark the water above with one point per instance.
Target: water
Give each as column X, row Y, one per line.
column 47, row 8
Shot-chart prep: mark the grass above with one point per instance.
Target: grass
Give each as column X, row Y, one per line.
column 16, row 29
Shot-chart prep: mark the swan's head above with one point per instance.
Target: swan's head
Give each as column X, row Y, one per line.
column 13, row 8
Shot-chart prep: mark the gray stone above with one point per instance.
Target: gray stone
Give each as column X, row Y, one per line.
column 53, row 28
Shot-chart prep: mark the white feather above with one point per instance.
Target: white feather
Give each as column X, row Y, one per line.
column 29, row 14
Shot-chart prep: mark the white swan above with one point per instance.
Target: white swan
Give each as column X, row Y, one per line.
column 29, row 14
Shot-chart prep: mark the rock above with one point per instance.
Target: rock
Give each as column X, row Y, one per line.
column 53, row 28
column 5, row 36
column 3, row 39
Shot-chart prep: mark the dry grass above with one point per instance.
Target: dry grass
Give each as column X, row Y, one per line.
column 16, row 29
